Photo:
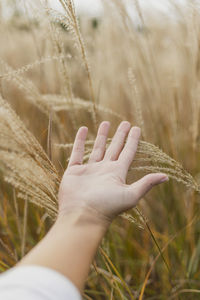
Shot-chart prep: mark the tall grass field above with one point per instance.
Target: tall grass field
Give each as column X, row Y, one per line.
column 60, row 70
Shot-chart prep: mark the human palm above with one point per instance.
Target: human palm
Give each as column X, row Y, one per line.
column 99, row 186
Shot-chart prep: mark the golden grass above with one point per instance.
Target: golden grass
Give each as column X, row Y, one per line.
column 58, row 72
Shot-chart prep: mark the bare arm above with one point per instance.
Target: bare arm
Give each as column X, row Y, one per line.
column 90, row 196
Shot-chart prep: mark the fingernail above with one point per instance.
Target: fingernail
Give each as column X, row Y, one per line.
column 164, row 179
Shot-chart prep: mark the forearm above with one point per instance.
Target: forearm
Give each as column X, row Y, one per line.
column 69, row 247
column 97, row 192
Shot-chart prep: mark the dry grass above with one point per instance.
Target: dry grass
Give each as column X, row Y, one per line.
column 59, row 72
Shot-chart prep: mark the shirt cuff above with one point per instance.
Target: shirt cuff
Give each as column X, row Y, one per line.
column 48, row 282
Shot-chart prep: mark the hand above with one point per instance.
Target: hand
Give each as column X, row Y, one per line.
column 99, row 188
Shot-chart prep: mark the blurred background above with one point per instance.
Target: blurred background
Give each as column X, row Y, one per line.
column 65, row 65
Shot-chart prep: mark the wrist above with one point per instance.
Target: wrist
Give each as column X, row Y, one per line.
column 83, row 216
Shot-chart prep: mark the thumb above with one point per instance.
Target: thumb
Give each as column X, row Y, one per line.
column 139, row 188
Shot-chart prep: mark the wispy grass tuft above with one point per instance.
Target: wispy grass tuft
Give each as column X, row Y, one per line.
column 73, row 70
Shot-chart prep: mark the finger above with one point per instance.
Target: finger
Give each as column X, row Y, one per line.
column 98, row 151
column 139, row 188
column 128, row 153
column 118, row 140
column 78, row 148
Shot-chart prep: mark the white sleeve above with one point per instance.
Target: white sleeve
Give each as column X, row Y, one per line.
column 36, row 283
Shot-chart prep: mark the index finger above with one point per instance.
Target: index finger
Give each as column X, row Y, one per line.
column 127, row 155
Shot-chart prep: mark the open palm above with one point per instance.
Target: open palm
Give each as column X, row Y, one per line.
column 99, row 187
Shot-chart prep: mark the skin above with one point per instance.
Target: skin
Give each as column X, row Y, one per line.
column 90, row 196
